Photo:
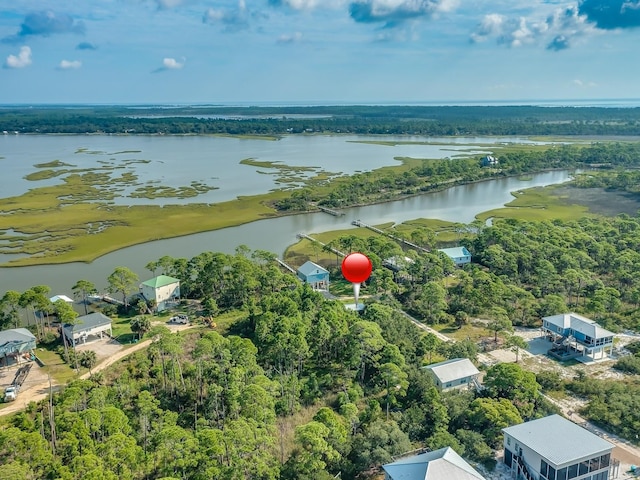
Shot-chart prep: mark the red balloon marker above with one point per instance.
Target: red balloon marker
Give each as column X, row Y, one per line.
column 356, row 268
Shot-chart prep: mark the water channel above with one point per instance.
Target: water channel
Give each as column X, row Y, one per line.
column 458, row 204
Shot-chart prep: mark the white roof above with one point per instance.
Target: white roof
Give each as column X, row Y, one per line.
column 558, row 440
column 455, row 369
column 440, row 464
column 455, row 252
column 55, row 298
column 579, row 324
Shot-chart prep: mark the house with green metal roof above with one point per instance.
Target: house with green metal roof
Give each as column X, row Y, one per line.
column 163, row 290
column 554, row 448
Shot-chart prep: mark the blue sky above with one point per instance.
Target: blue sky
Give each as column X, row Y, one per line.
column 317, row 51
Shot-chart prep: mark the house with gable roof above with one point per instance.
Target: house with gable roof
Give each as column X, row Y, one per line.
column 314, row 275
column 455, row 373
column 440, row 464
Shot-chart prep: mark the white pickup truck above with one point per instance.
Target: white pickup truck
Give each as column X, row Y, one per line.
column 181, row 318
column 11, row 393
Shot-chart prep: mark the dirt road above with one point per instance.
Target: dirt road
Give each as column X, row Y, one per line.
column 40, row 391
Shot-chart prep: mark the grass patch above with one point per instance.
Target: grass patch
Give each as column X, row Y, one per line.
column 472, row 332
column 537, row 204
column 55, row 365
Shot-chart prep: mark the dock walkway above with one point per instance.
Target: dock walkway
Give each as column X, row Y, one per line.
column 358, row 223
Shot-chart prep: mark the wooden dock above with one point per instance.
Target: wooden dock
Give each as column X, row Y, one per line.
column 288, row 267
column 324, row 245
column 331, row 211
column 358, row 223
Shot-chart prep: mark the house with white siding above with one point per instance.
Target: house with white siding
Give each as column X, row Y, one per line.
column 163, row 290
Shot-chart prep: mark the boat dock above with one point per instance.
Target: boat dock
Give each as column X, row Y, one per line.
column 358, row 223
column 324, row 245
column 284, row 265
column 330, row 211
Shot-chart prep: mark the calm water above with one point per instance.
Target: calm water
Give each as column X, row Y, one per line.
column 177, row 161
column 459, row 204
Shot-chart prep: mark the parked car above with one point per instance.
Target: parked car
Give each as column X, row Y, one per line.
column 181, row 318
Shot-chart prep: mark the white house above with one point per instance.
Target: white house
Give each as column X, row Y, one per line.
column 161, row 289
column 459, row 255
column 442, row 464
column 576, row 336
column 93, row 324
column 455, row 373
column 553, row 448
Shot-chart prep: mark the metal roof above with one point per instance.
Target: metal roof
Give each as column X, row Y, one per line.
column 558, row 440
column 310, row 268
column 16, row 335
column 455, row 252
column 55, row 298
column 440, row 464
column 160, row 281
column 87, row 322
column 454, row 369
column 579, row 324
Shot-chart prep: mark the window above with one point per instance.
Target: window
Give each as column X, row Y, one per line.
column 583, row 467
column 594, row 464
column 572, row 471
column 552, row 473
column 448, row 385
column 508, row 440
column 543, row 468
column 562, row 474
column 604, row 460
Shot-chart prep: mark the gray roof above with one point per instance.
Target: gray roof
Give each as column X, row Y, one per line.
column 558, row 440
column 87, row 322
column 16, row 335
column 579, row 324
column 440, row 464
column 451, row 370
column 310, row 268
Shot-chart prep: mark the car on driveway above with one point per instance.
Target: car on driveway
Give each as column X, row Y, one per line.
column 181, row 318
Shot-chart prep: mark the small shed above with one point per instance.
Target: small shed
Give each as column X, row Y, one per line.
column 161, row 289
column 94, row 324
column 55, row 298
column 314, row 275
column 15, row 342
column 459, row 255
column 455, row 373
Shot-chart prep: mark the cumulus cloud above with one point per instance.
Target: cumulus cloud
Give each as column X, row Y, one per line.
column 86, row 46
column 293, row 38
column 557, row 31
column 169, row 63
column 23, row 59
column 232, row 20
column 44, row 24
column 396, row 12
column 612, row 14
column 69, row 64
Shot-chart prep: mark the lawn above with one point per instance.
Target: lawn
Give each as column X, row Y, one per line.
column 55, row 365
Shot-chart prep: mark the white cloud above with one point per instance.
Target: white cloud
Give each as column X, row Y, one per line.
column 69, row 64
column 557, row 31
column 582, row 84
column 172, row 64
column 23, row 59
column 293, row 38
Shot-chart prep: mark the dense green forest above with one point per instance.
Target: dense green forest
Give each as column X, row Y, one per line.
column 428, row 175
column 303, row 388
column 433, row 120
